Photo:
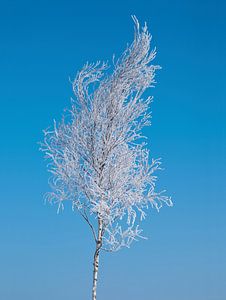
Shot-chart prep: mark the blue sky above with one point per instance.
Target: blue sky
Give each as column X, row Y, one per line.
column 48, row 256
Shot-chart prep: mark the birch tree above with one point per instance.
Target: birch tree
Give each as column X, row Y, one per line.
column 97, row 156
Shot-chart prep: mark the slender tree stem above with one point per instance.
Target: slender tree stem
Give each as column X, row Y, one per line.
column 96, row 259
column 95, row 273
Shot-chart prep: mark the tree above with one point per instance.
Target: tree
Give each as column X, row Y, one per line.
column 96, row 155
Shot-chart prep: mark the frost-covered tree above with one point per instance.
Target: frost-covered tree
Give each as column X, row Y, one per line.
column 96, row 155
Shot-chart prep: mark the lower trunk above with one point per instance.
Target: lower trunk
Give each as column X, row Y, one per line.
column 95, row 273
column 96, row 258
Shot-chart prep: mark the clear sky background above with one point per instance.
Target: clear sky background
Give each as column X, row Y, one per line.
column 48, row 256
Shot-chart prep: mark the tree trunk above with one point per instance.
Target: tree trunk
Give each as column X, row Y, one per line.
column 96, row 260
column 95, row 273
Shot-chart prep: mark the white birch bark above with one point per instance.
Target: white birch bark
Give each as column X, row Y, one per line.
column 96, row 259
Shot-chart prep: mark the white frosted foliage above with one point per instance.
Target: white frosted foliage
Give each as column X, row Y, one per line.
column 97, row 158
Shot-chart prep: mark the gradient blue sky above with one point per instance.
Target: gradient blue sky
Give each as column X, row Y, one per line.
column 48, row 256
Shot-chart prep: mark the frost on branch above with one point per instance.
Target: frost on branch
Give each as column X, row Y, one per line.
column 96, row 156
